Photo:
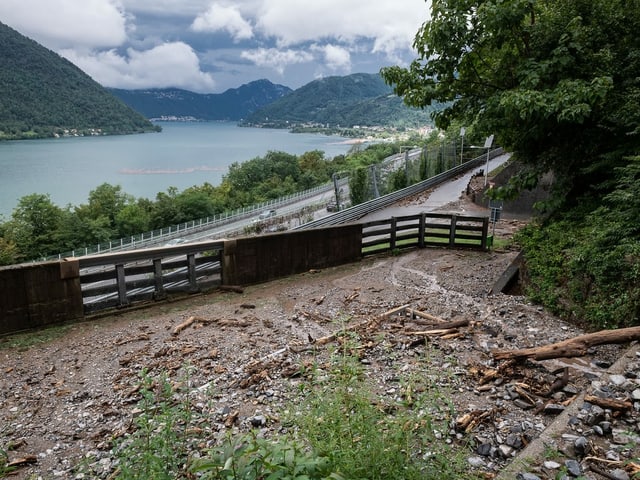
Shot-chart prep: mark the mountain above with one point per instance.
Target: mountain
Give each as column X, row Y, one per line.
column 233, row 104
column 358, row 99
column 44, row 95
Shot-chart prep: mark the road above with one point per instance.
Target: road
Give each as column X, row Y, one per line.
column 443, row 194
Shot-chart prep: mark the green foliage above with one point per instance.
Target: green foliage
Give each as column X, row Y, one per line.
column 556, row 81
column 249, row 457
column 158, row 447
column 5, row 469
column 365, row 437
column 584, row 264
column 45, row 95
column 358, row 99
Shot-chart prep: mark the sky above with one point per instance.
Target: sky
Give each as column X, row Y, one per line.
column 209, row 46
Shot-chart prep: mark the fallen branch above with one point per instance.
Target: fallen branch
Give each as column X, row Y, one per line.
column 425, row 315
column 443, row 328
column 371, row 323
column 572, row 347
column 611, row 403
column 188, row 322
column 435, row 332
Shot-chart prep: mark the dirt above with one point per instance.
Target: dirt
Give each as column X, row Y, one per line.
column 64, row 401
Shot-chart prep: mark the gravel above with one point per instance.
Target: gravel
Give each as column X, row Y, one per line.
column 63, row 401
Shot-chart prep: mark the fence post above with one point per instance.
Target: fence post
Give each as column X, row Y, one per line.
column 422, row 227
column 452, row 230
column 160, row 293
column 191, row 261
column 485, row 232
column 121, row 280
column 392, row 234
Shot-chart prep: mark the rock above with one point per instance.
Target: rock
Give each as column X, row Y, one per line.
column 573, row 467
column 619, row 474
column 581, row 446
column 527, row 476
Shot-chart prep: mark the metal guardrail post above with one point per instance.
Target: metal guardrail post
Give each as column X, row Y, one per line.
column 157, row 276
column 392, row 235
column 452, row 230
column 193, row 282
column 121, row 280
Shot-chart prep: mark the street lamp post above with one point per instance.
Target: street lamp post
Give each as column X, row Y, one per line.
column 487, row 144
column 462, row 132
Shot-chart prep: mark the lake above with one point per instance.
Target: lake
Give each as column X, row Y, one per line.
column 182, row 155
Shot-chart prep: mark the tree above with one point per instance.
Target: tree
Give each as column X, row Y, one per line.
column 557, row 81
column 33, row 227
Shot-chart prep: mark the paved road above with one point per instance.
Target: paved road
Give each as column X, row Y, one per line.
column 446, row 193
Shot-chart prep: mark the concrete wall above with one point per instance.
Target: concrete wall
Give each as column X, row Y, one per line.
column 260, row 259
column 38, row 295
column 43, row 294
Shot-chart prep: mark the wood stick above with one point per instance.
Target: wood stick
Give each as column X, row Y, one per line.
column 188, row 322
column 572, row 347
column 444, row 326
column 425, row 315
column 374, row 322
column 611, row 403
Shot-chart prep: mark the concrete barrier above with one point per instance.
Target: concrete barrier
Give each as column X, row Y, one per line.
column 38, row 295
column 252, row 260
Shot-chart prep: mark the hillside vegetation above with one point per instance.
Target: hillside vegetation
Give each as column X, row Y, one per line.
column 43, row 95
column 558, row 84
column 358, row 99
column 233, row 104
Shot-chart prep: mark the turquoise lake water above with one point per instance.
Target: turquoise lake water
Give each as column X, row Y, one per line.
column 182, row 155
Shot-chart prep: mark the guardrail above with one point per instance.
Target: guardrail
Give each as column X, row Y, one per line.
column 358, row 211
column 162, row 235
column 120, row 279
column 422, row 230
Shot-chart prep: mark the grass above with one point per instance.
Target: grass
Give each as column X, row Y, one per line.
column 31, row 338
column 341, row 429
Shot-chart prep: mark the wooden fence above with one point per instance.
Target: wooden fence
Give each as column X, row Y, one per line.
column 425, row 229
column 48, row 293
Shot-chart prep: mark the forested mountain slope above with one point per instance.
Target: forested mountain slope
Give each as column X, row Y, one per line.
column 358, row 99
column 43, row 95
column 233, row 104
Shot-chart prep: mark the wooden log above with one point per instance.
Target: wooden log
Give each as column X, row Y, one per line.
column 611, row 403
column 425, row 315
column 572, row 347
column 443, row 326
column 371, row 323
column 188, row 322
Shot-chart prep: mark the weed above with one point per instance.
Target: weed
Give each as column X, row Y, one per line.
column 365, row 437
column 158, row 447
column 5, row 469
column 249, row 457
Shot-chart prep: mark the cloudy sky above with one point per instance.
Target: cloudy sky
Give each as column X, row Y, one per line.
column 209, row 46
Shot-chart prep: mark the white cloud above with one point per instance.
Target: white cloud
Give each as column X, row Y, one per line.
column 335, row 57
column 276, row 59
column 167, row 65
column 67, row 23
column 391, row 25
column 240, row 40
column 221, row 18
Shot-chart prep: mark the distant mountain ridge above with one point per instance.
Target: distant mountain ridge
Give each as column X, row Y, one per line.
column 359, row 99
column 234, row 104
column 45, row 95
